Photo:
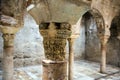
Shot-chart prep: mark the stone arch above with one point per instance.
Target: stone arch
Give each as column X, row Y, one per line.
column 103, row 35
column 99, row 21
column 116, row 22
column 89, row 23
column 114, row 42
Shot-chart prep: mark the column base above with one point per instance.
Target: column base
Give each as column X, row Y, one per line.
column 54, row 70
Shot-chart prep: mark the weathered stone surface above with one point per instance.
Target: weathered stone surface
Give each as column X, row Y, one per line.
column 56, row 70
column 28, row 44
column 55, row 35
column 54, row 40
column 12, row 9
column 92, row 49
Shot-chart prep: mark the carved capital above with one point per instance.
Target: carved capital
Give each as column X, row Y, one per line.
column 8, row 40
column 55, row 35
column 104, row 39
column 55, row 30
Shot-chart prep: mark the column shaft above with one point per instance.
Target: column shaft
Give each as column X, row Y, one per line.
column 8, row 63
column 8, row 56
column 104, row 40
column 71, row 59
column 54, row 70
column 103, row 59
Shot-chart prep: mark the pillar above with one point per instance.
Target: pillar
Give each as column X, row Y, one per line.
column 8, row 56
column 11, row 19
column 54, row 70
column 71, row 40
column 71, row 58
column 104, row 40
column 55, row 36
column 9, row 27
column 8, row 48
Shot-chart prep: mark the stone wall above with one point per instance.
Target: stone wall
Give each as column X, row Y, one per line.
column 28, row 49
column 79, row 44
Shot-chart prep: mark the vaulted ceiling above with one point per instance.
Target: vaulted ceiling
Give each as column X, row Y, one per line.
column 59, row 10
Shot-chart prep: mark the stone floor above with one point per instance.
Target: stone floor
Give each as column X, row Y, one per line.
column 83, row 70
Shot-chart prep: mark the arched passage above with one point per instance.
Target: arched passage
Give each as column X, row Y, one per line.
column 102, row 36
column 93, row 23
column 114, row 43
column 92, row 47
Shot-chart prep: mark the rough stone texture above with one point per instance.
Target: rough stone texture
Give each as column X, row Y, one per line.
column 108, row 9
column 28, row 44
column 56, row 70
column 14, row 9
column 55, row 36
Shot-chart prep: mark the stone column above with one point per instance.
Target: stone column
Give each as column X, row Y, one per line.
column 8, row 48
column 71, row 56
column 104, row 40
column 11, row 19
column 8, row 56
column 9, row 27
column 55, row 36
column 71, row 59
column 54, row 70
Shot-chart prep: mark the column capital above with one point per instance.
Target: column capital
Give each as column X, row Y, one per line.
column 55, row 30
column 104, row 39
column 55, row 35
column 9, row 34
column 8, row 40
